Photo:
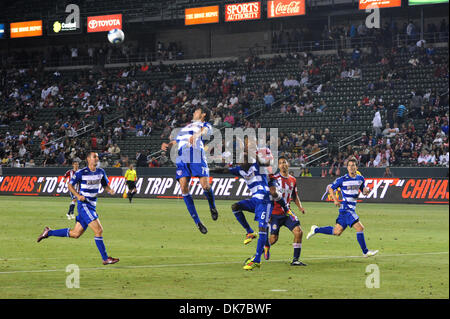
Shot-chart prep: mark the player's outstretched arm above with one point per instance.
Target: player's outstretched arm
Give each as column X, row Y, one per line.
column 165, row 146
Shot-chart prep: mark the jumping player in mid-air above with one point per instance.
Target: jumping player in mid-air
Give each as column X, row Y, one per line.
column 191, row 162
column 261, row 202
column 350, row 184
column 69, row 174
column 89, row 179
column 287, row 186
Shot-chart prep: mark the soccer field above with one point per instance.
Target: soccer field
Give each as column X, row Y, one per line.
column 163, row 255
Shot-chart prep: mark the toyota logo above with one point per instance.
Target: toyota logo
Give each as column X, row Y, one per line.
column 93, row 24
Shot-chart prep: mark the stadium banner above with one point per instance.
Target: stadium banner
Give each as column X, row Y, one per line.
column 422, row 2
column 368, row 4
column 285, row 8
column 2, row 30
column 242, row 11
column 201, row 15
column 383, row 190
column 26, row 29
column 104, row 23
column 66, row 24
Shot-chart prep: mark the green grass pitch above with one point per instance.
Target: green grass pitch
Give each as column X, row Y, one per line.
column 163, row 255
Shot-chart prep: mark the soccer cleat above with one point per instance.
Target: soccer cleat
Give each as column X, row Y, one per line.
column 297, row 263
column 249, row 237
column 110, row 261
column 248, row 260
column 214, row 213
column 202, row 228
column 266, row 252
column 312, row 232
column 370, row 253
column 251, row 265
column 73, row 216
column 44, row 234
column 69, row 216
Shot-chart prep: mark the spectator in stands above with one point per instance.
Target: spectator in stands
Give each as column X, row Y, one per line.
column 141, row 159
column 268, row 100
column 423, row 158
column 376, row 124
column 153, row 163
column 400, row 115
column 305, row 172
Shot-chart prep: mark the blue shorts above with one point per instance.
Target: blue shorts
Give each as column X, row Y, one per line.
column 283, row 220
column 192, row 169
column 261, row 208
column 86, row 214
column 347, row 219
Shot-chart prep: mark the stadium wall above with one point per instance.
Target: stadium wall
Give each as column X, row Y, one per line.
column 383, row 190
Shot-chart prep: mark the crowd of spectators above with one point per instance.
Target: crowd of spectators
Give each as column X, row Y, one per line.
column 83, row 100
column 350, row 35
column 91, row 54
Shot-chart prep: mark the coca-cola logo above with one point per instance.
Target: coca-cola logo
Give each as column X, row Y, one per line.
column 283, row 8
column 293, row 7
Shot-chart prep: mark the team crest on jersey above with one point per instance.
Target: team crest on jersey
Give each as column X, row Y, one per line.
column 274, row 226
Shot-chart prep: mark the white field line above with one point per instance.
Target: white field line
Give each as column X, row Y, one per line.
column 213, row 263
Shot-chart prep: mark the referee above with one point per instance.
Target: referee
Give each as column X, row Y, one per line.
column 130, row 177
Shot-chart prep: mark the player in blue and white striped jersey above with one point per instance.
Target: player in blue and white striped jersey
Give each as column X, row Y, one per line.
column 191, row 162
column 89, row 180
column 261, row 204
column 350, row 184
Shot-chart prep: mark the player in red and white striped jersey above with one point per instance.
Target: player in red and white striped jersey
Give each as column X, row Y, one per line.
column 68, row 176
column 287, row 188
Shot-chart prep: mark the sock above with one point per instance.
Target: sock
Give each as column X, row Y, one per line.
column 210, row 196
column 362, row 242
column 64, row 232
column 101, row 247
column 297, row 250
column 268, row 236
column 260, row 246
column 328, row 230
column 71, row 208
column 191, row 207
column 241, row 219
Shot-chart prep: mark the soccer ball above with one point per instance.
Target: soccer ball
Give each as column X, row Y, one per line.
column 116, row 36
